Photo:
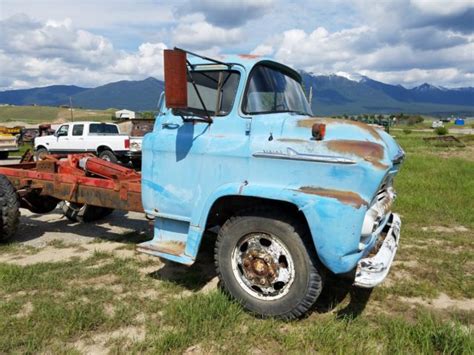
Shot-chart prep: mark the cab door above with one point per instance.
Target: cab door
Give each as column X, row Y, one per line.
column 185, row 159
column 76, row 139
column 61, row 142
column 172, row 162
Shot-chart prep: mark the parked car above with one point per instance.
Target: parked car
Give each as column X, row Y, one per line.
column 136, row 129
column 102, row 139
column 437, row 124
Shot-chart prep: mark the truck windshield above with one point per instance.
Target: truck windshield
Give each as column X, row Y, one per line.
column 102, row 128
column 270, row 90
column 217, row 89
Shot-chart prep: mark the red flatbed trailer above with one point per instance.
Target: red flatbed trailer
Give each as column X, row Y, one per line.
column 77, row 178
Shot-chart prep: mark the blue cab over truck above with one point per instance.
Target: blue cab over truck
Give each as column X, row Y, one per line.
column 236, row 149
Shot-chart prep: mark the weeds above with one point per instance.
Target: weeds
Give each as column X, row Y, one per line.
column 102, row 300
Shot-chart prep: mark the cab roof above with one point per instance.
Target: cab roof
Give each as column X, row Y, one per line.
column 248, row 61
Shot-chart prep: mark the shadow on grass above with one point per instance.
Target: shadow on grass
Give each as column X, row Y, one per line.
column 33, row 227
column 335, row 291
column 193, row 277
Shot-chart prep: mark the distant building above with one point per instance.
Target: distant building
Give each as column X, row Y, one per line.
column 125, row 114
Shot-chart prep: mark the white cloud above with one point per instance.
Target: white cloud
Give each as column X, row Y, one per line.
column 148, row 61
column 442, row 7
column 387, row 48
column 227, row 13
column 263, row 49
column 195, row 33
column 93, row 14
column 35, row 53
column 84, row 43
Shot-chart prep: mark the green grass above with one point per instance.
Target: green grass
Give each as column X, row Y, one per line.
column 53, row 307
column 435, row 189
column 63, row 310
column 46, row 114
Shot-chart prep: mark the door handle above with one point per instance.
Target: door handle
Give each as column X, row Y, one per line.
column 169, row 125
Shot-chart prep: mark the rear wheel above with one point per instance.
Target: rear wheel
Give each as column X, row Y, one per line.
column 262, row 261
column 41, row 153
column 77, row 212
column 9, row 209
column 108, row 155
column 137, row 164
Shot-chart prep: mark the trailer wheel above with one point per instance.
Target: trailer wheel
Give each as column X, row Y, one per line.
column 108, row 155
column 9, row 209
column 36, row 203
column 77, row 212
column 263, row 261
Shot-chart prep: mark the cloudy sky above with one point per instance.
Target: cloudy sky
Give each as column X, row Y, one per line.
column 89, row 43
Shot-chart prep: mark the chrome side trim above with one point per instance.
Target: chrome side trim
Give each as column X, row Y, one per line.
column 292, row 154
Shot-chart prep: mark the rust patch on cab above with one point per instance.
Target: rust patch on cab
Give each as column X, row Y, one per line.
column 369, row 151
column 309, row 122
column 166, row 247
column 346, row 197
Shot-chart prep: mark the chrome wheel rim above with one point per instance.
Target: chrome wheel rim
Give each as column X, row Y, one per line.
column 76, row 207
column 263, row 266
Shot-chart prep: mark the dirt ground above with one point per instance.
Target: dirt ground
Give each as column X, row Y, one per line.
column 76, row 239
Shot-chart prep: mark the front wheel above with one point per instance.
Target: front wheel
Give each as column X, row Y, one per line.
column 263, row 261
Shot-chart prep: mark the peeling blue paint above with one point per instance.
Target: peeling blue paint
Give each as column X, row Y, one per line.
column 188, row 167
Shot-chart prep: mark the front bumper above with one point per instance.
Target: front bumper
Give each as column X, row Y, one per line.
column 371, row 271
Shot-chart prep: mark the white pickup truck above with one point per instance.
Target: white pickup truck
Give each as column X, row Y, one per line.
column 102, row 139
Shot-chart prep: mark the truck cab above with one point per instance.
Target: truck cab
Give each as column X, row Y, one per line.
column 237, row 149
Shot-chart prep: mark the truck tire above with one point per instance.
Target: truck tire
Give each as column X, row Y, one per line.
column 41, row 153
column 9, row 209
column 264, row 260
column 137, row 164
column 108, row 155
column 4, row 155
column 77, row 212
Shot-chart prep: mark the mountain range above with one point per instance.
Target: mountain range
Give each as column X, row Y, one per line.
column 332, row 95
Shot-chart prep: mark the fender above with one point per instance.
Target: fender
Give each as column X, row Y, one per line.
column 336, row 243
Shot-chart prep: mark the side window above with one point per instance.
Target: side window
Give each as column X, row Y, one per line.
column 63, row 130
column 217, row 89
column 78, row 130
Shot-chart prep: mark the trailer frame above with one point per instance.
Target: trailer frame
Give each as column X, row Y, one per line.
column 78, row 178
